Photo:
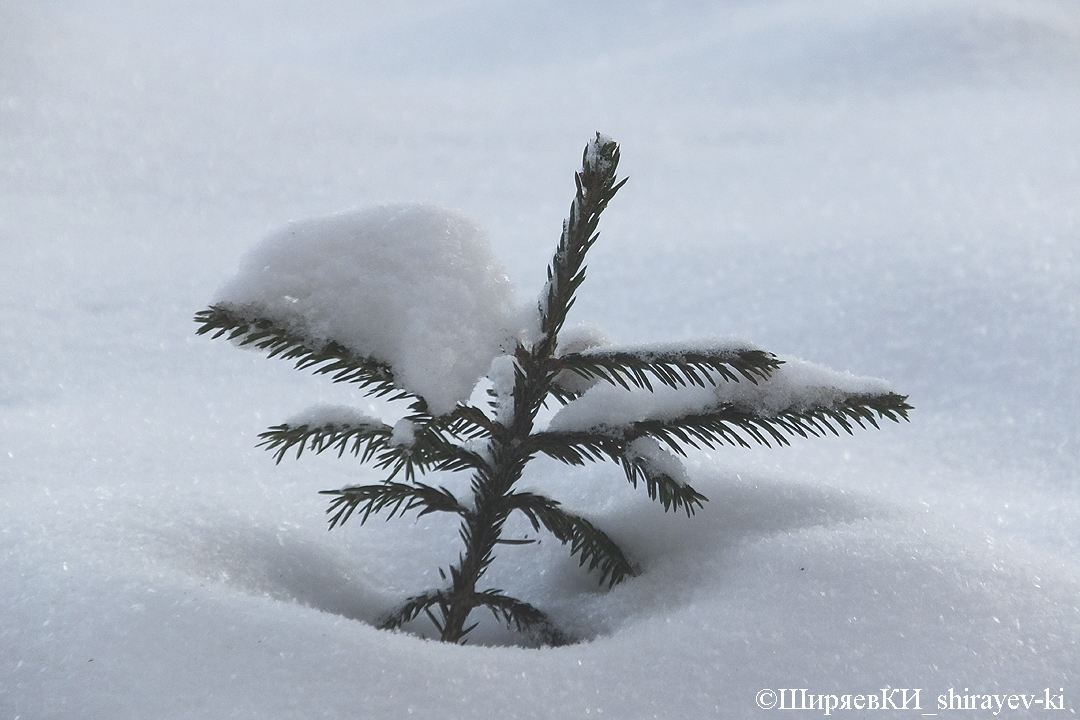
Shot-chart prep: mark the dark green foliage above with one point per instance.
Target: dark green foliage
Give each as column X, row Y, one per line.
column 399, row 498
column 432, row 449
column 674, row 368
column 343, row 365
column 591, row 545
column 663, row 488
column 495, row 447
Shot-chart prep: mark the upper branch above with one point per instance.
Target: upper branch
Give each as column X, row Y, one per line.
column 331, row 358
column 596, row 186
column 674, row 368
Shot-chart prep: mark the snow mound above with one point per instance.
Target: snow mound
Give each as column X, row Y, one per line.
column 412, row 285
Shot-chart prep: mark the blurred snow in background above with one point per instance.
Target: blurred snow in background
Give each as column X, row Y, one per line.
column 887, row 188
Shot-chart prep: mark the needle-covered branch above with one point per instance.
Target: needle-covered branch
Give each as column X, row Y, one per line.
column 591, row 545
column 330, row 358
column 523, row 617
column 738, row 425
column 596, row 186
column 577, row 448
column 429, row 448
column 671, row 493
column 671, row 367
column 397, row 498
column 724, row 424
column 413, row 607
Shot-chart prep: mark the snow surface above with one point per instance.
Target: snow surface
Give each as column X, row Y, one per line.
column 412, row 285
column 882, row 186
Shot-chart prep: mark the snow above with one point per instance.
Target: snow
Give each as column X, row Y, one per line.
column 324, row 415
column 799, row 385
column 404, row 433
column 593, row 158
column 576, row 338
column 652, row 351
column 412, row 285
column 658, row 460
column 886, row 187
column 502, row 375
column 609, row 406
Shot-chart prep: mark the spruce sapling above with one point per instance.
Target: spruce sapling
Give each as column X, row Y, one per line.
column 641, row 407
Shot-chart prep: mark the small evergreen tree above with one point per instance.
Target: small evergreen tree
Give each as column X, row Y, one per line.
column 495, row 445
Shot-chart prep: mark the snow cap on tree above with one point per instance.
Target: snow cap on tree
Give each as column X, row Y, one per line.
column 413, row 286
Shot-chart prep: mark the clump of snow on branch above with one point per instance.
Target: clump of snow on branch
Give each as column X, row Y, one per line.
column 580, row 337
column 328, row 415
column 609, row 406
column 796, row 385
column 502, row 376
column 799, row 385
column 412, row 285
column 586, row 339
column 593, row 157
column 404, row 433
column 575, row 339
column 658, row 460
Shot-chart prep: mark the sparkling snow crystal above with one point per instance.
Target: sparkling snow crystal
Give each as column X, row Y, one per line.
column 412, row 285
